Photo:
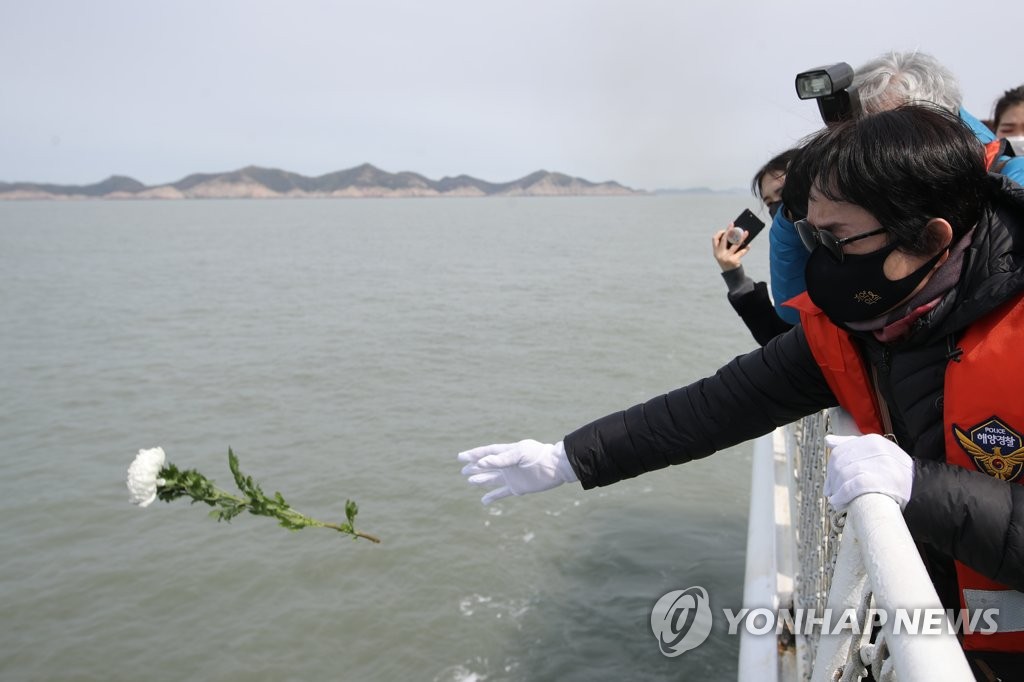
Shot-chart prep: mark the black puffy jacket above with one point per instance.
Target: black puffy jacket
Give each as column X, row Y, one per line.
column 966, row 515
column 757, row 312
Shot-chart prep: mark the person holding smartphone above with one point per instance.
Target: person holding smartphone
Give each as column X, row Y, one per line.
column 750, row 299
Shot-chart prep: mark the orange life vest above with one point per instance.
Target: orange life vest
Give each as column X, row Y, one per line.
column 992, row 152
column 996, row 155
column 982, row 420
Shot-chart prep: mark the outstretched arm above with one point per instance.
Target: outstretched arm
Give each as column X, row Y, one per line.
column 747, row 398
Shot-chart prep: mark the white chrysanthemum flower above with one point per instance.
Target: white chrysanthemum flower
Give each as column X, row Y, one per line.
column 142, row 476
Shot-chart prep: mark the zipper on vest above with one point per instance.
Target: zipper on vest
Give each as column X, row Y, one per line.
column 887, row 421
column 953, row 352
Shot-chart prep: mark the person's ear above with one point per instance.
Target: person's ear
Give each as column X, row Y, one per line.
column 939, row 235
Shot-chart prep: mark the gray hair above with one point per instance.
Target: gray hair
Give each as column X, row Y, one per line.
column 897, row 78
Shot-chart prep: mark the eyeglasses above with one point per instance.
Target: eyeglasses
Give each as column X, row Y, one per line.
column 811, row 236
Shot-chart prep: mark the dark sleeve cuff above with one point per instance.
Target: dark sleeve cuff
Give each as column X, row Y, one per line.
column 737, row 281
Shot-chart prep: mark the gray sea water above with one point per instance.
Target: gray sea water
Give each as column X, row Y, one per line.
column 349, row 349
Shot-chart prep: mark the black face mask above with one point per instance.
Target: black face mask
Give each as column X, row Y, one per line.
column 857, row 289
column 773, row 208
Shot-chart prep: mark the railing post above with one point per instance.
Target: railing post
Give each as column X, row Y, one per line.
column 849, row 588
column 759, row 657
column 898, row 579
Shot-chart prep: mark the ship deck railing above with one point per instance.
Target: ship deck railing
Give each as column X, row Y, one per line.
column 804, row 557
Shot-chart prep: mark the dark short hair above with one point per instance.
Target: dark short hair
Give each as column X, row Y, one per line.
column 779, row 162
column 904, row 166
column 798, row 184
column 1010, row 98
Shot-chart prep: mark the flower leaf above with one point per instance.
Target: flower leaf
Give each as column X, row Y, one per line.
column 236, row 472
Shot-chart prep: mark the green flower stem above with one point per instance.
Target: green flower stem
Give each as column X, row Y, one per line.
column 191, row 483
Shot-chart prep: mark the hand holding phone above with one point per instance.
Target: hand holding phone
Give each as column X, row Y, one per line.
column 749, row 222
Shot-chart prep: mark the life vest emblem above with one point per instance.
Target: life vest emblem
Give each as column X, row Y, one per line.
column 994, row 447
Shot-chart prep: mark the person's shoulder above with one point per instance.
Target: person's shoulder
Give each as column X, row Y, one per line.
column 1007, row 190
column 1013, row 168
column 981, row 131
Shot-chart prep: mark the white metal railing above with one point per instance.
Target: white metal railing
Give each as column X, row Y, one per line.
column 803, row 556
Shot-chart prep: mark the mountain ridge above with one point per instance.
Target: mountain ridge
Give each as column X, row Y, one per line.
column 365, row 180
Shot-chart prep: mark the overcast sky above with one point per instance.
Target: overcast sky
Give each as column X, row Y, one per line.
column 649, row 93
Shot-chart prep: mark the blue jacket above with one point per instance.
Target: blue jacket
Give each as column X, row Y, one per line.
column 1013, row 167
column 788, row 257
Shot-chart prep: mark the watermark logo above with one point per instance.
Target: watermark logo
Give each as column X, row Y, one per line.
column 924, row 621
column 681, row 620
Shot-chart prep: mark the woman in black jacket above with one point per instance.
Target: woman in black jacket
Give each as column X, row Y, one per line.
column 913, row 246
column 748, row 298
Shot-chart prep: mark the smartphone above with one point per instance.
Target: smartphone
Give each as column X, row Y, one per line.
column 749, row 222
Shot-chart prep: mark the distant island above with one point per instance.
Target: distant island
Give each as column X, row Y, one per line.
column 701, row 190
column 366, row 180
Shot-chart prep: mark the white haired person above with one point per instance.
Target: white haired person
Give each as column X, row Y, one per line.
column 886, row 82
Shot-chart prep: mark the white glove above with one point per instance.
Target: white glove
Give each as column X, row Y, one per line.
column 867, row 464
column 517, row 468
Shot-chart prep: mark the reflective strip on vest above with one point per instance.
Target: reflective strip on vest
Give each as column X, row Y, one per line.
column 1009, row 603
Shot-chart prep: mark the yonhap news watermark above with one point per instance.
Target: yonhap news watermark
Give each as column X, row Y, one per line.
column 681, row 620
